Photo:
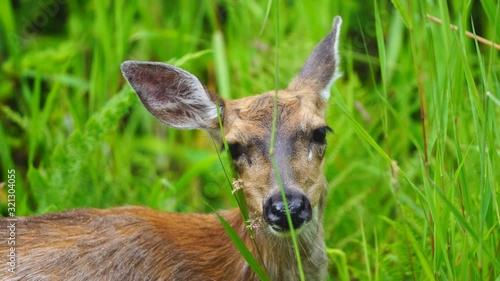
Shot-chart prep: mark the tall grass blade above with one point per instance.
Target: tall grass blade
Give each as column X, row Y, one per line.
column 221, row 65
column 403, row 13
column 242, row 248
column 272, row 146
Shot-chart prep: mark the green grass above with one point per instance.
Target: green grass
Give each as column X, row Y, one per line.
column 413, row 167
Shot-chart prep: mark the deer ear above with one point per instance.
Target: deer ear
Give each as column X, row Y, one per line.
column 321, row 67
column 174, row 96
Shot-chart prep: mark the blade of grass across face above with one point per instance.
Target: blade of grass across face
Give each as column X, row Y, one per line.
column 272, row 144
column 239, row 196
column 238, row 193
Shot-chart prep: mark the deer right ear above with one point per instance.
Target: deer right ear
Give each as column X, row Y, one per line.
column 321, row 68
column 174, row 96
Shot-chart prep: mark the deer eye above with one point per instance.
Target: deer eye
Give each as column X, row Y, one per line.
column 236, row 150
column 319, row 135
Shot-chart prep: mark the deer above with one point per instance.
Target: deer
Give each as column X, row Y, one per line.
column 139, row 243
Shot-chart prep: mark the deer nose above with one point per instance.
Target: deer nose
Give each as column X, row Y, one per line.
column 275, row 213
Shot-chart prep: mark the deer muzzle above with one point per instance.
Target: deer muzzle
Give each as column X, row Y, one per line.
column 275, row 212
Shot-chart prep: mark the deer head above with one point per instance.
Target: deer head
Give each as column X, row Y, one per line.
column 179, row 99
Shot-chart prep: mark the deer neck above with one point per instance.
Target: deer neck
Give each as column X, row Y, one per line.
column 277, row 252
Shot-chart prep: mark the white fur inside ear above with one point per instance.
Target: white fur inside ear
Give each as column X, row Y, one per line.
column 325, row 93
column 193, row 102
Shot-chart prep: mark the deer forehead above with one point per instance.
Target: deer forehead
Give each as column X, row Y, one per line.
column 251, row 118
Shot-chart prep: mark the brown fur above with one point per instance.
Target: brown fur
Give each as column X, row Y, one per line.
column 135, row 243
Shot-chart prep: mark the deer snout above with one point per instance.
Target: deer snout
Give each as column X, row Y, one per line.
column 275, row 212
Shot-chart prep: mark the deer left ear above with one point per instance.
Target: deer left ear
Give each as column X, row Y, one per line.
column 321, row 67
column 173, row 95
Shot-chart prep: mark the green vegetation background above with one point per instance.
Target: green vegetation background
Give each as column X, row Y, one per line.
column 413, row 167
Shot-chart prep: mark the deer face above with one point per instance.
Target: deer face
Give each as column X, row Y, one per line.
column 178, row 99
column 299, row 150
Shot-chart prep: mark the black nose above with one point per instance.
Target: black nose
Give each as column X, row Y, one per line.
column 275, row 213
